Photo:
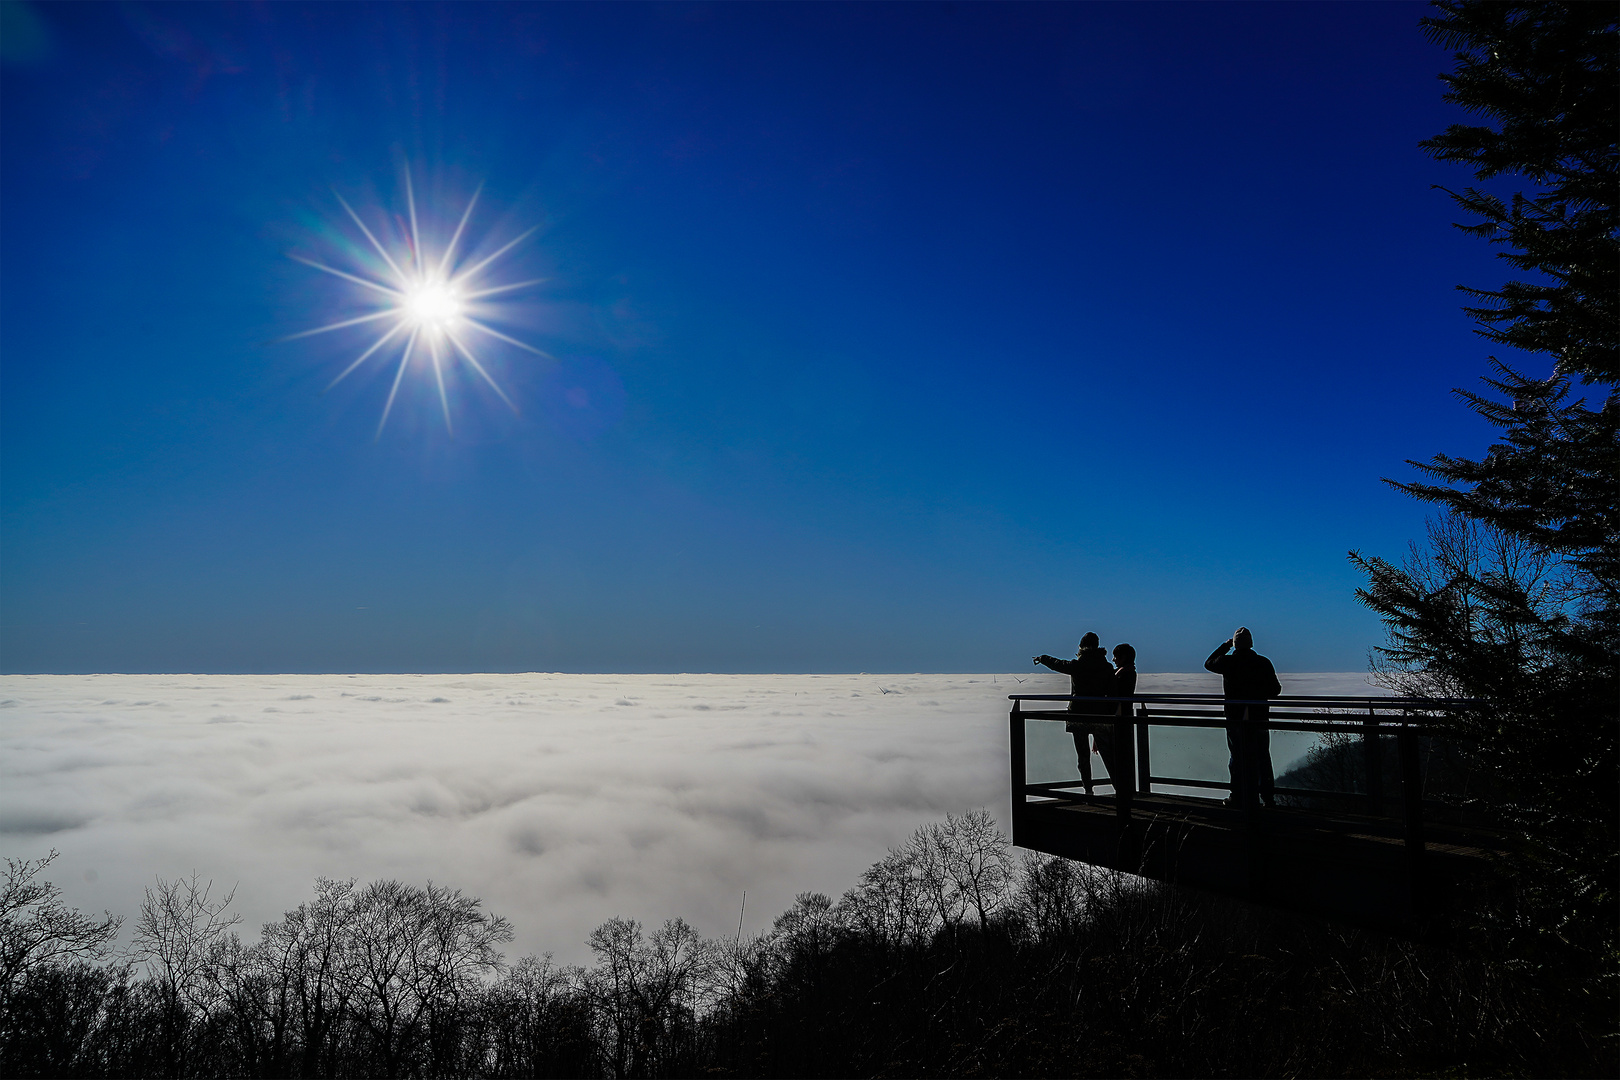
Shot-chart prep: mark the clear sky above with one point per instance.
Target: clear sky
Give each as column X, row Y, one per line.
column 882, row 338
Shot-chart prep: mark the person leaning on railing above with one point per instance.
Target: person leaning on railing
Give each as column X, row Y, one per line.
column 1124, row 686
column 1247, row 676
column 1090, row 675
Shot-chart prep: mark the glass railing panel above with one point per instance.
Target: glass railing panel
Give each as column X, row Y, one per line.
column 1188, row 753
column 1049, row 753
column 1350, row 770
column 1050, row 756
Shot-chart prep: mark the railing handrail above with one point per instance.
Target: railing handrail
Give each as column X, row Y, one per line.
column 1283, row 713
column 1296, row 700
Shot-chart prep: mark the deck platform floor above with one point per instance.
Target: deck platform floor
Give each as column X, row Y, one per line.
column 1345, row 865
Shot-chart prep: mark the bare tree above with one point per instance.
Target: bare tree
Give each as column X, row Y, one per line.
column 180, row 935
column 1488, row 579
column 976, row 861
column 1051, row 896
column 412, row 955
column 38, row 930
column 892, row 902
column 942, row 872
column 646, row 993
column 306, row 954
column 535, row 1025
column 930, row 862
column 809, row 929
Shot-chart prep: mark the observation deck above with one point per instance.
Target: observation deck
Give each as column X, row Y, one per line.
column 1380, row 829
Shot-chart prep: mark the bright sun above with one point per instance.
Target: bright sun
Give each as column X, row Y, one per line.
column 433, row 305
column 430, row 301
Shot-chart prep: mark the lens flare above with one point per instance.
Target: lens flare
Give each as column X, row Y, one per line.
column 432, row 308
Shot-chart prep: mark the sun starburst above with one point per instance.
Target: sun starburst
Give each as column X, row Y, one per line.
column 433, row 308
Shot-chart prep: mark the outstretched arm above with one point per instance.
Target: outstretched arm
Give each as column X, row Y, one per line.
column 1065, row 666
column 1214, row 662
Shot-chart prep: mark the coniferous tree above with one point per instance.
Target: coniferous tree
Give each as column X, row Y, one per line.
column 1545, row 74
column 1515, row 599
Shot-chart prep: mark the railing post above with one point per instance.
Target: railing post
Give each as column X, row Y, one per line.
column 1406, row 743
column 1019, row 775
column 1411, row 787
column 1372, row 762
column 1127, row 854
column 1125, row 760
column 1144, row 770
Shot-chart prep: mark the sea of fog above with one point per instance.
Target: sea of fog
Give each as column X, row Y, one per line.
column 561, row 800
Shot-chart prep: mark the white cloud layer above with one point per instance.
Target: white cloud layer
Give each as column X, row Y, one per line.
column 560, row 799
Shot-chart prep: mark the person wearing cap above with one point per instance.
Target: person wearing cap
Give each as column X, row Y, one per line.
column 1247, row 676
column 1090, row 675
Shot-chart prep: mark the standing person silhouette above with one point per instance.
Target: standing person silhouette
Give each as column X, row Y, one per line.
column 1090, row 675
column 1247, row 676
column 1124, row 686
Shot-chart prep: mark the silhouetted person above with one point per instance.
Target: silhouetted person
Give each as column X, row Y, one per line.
column 1246, row 676
column 1124, row 686
column 1090, row 675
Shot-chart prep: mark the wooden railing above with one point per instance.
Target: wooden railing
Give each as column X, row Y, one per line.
column 1407, row 720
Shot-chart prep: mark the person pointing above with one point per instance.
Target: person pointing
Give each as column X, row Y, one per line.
column 1090, row 675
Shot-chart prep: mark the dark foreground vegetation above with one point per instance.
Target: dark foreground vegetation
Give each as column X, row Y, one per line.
column 950, row 957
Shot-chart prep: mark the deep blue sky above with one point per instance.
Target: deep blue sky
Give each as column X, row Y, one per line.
column 920, row 337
